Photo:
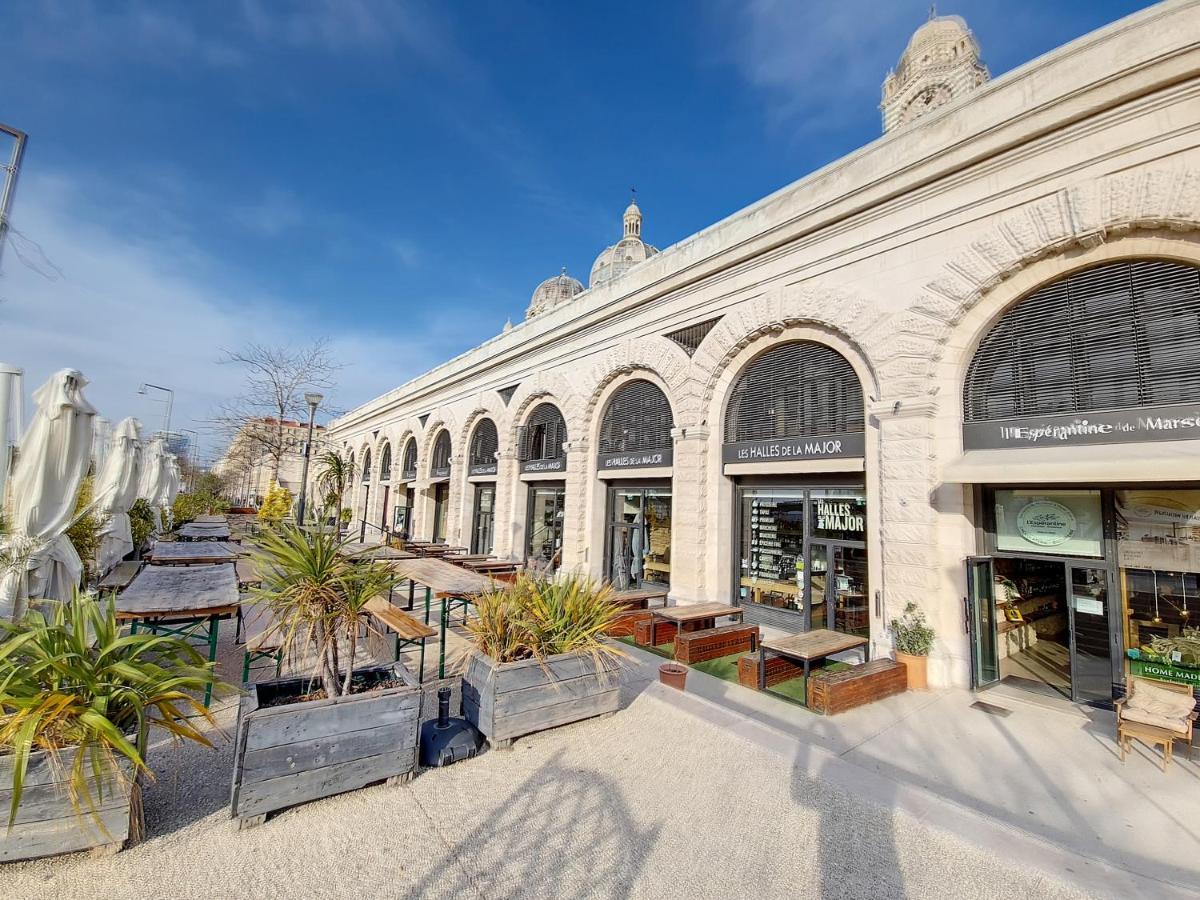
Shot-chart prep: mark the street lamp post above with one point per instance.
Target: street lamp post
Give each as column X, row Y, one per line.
column 170, row 402
column 313, row 401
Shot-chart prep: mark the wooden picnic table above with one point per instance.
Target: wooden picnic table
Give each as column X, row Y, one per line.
column 694, row 616
column 640, row 598
column 196, row 532
column 194, row 553
column 361, row 550
column 211, row 520
column 459, row 558
column 188, row 602
column 448, row 583
column 808, row 647
column 485, row 566
column 247, row 574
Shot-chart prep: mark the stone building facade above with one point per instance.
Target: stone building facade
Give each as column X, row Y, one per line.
column 900, row 258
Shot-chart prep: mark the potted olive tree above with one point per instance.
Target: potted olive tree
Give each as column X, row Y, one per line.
column 78, row 703
column 540, row 657
column 913, row 638
column 335, row 728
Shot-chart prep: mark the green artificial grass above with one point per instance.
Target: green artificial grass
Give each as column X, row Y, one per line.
column 666, row 651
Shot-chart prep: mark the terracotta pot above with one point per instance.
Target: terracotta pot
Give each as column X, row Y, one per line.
column 672, row 675
column 915, row 666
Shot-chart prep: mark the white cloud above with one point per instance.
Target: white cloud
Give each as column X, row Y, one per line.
column 159, row 310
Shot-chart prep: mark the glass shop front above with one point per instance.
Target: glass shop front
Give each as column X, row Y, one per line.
column 639, row 536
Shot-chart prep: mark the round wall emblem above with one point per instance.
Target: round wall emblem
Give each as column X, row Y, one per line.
column 1046, row 523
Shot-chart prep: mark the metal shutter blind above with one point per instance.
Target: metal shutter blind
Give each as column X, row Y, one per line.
column 441, row 451
column 795, row 390
column 637, row 418
column 385, row 463
column 484, row 443
column 408, row 469
column 1112, row 337
column 543, row 435
column 691, row 336
column 366, row 472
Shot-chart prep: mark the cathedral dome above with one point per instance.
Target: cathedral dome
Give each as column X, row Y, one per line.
column 553, row 292
column 615, row 261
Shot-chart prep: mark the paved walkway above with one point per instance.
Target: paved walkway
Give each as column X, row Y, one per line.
column 1051, row 777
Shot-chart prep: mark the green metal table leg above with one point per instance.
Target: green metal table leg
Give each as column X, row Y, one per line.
column 213, row 629
column 421, row 674
column 442, row 640
column 245, row 667
column 428, row 595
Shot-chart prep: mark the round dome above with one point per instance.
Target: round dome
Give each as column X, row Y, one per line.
column 553, row 292
column 940, row 29
column 615, row 261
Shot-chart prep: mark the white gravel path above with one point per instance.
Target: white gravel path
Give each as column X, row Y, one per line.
column 650, row 803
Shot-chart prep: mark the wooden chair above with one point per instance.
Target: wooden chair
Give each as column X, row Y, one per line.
column 1133, row 724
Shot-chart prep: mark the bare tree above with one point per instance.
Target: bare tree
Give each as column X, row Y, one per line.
column 277, row 379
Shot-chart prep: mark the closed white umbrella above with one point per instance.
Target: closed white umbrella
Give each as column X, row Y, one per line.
column 116, row 490
column 44, row 486
column 150, row 480
column 168, row 489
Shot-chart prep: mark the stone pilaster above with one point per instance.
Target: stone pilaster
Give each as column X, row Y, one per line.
column 509, row 518
column 689, row 513
column 576, row 507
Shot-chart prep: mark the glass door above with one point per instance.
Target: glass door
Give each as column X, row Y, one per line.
column 816, row 603
column 441, row 495
column 543, row 548
column 1091, row 646
column 836, row 595
column 639, row 539
column 981, row 622
column 383, row 509
column 485, row 519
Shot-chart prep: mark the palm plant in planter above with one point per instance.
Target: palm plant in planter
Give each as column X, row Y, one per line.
column 78, row 702
column 336, row 728
column 540, row 657
column 914, row 641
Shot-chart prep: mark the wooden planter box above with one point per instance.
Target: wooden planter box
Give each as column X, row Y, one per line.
column 291, row 754
column 508, row 700
column 47, row 823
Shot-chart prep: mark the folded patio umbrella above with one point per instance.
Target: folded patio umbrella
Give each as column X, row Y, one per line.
column 40, row 560
column 168, row 489
column 116, row 490
column 150, row 479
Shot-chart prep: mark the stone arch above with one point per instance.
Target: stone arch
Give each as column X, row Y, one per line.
column 549, row 387
column 470, row 421
column 1064, row 225
column 656, row 355
column 598, row 404
column 813, row 313
column 425, row 449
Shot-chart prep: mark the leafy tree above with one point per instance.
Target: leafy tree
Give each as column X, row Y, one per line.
column 84, row 531
column 276, row 505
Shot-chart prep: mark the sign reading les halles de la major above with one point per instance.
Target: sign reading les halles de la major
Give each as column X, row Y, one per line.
column 636, row 459
column 544, row 465
column 826, row 446
column 482, row 469
column 1176, row 422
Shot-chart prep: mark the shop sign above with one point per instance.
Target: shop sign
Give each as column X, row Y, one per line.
column 639, row 460
column 840, row 516
column 439, row 472
column 482, row 469
column 829, row 446
column 1046, row 523
column 1164, row 672
column 408, row 475
column 1176, row 422
column 544, row 465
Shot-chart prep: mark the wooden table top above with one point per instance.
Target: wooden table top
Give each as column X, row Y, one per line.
column 408, row 627
column 445, row 579
column 815, row 644
column 211, row 520
column 469, row 557
column 640, row 594
column 120, row 577
column 490, row 565
column 204, row 532
column 691, row 612
column 182, row 553
column 358, row 550
column 166, row 590
column 247, row 573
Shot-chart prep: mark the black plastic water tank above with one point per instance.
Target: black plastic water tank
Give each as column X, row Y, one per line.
column 447, row 740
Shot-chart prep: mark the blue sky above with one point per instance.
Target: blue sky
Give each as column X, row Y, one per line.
column 400, row 176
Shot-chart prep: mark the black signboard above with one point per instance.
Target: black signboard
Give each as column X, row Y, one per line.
column 637, row 459
column 1176, row 422
column 482, row 469
column 825, row 446
column 544, row 465
column 439, row 472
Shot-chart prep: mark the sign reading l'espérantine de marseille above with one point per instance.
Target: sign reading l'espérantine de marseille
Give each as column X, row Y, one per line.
column 827, row 446
column 1177, row 422
column 637, row 459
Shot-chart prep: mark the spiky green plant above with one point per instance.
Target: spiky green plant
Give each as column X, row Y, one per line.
column 537, row 617
column 72, row 685
column 316, row 595
column 334, row 475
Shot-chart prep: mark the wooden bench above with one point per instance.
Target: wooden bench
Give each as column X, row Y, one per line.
column 1147, row 734
column 664, row 632
column 712, row 643
column 263, row 640
column 120, row 577
column 247, row 574
column 408, row 630
column 834, row 692
column 625, row 622
column 779, row 668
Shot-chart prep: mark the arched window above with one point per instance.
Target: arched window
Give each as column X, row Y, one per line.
column 385, row 463
column 1117, row 336
column 366, row 467
column 408, row 465
column 439, row 466
column 542, row 436
column 636, row 428
column 484, row 444
column 799, row 389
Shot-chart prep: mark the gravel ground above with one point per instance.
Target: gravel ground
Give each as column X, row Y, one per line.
column 651, row 802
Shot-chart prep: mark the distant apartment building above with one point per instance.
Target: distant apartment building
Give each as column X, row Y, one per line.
column 266, row 450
